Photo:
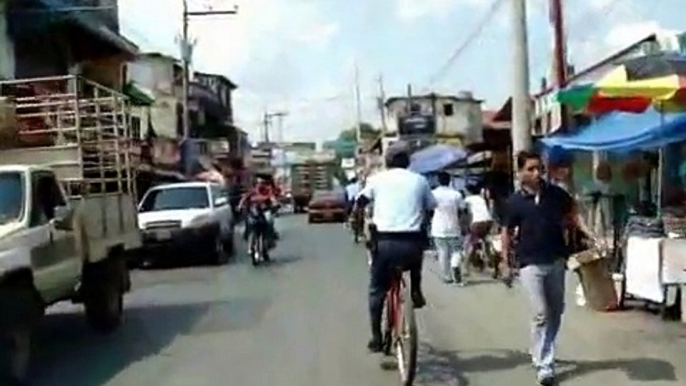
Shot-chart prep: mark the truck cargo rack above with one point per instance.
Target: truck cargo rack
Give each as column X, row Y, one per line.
column 77, row 127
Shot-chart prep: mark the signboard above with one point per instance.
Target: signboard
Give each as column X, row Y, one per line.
column 417, row 124
column 348, row 163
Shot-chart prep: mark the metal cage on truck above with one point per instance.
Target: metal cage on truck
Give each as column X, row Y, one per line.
column 75, row 126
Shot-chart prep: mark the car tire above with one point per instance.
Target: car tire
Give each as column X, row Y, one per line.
column 104, row 294
column 216, row 251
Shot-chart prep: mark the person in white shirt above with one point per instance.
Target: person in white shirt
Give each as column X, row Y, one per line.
column 445, row 226
column 480, row 219
column 401, row 200
column 352, row 190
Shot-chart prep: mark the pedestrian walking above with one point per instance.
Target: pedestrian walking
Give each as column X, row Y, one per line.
column 542, row 213
column 445, row 228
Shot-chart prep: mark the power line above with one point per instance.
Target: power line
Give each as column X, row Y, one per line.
column 495, row 6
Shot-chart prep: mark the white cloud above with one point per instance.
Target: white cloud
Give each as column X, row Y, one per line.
column 259, row 48
column 410, row 10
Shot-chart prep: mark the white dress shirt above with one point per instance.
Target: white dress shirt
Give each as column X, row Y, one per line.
column 400, row 198
column 445, row 222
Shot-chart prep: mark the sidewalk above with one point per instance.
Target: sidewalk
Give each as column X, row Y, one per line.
column 479, row 336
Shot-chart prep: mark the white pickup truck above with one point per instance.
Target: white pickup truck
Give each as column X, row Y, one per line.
column 192, row 220
column 67, row 210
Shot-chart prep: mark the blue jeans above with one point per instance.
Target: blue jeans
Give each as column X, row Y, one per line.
column 545, row 285
column 391, row 253
column 446, row 247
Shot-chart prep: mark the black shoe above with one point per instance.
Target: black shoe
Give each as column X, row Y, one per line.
column 546, row 380
column 375, row 345
column 418, row 300
column 457, row 275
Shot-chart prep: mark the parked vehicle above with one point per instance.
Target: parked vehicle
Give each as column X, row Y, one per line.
column 327, row 205
column 308, row 177
column 67, row 205
column 191, row 219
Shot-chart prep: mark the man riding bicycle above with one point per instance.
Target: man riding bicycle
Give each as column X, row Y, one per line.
column 481, row 222
column 401, row 200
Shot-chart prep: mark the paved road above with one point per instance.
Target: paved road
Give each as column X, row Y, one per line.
column 302, row 322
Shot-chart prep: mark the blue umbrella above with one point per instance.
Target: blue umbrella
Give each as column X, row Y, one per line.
column 435, row 158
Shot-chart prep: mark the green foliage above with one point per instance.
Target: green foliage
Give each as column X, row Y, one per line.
column 368, row 132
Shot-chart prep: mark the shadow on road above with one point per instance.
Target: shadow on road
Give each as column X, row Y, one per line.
column 68, row 353
column 640, row 369
column 448, row 368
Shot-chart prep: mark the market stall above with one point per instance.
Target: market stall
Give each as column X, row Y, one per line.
column 638, row 101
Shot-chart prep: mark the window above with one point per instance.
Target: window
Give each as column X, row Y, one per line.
column 415, row 108
column 176, row 199
column 220, row 197
column 136, row 128
column 46, row 197
column 448, row 109
column 11, row 197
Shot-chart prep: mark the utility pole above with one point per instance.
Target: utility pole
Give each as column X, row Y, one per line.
column 266, row 127
column 186, row 57
column 280, row 115
column 560, row 55
column 382, row 105
column 358, row 107
column 521, row 119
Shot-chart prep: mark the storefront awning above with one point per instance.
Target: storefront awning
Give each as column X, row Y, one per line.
column 624, row 132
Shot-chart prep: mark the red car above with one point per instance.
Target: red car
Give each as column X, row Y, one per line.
column 327, row 205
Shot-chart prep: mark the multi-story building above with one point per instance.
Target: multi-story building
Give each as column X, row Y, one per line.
column 160, row 75
column 433, row 118
column 39, row 38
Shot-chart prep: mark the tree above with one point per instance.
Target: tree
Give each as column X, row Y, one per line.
column 368, row 132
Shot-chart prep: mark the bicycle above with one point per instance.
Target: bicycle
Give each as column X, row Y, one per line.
column 401, row 328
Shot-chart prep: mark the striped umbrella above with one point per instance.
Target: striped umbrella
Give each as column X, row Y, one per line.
column 633, row 86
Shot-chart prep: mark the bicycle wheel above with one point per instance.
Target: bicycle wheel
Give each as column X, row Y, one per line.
column 406, row 337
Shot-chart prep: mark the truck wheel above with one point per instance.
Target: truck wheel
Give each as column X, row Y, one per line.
column 104, row 294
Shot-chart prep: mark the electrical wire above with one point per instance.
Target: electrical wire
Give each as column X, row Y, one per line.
column 473, row 36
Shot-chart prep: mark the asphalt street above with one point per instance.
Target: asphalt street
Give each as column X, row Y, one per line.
column 302, row 321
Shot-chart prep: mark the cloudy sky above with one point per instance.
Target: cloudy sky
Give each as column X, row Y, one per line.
column 299, row 55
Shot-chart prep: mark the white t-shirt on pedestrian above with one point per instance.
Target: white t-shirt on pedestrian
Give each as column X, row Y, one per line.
column 478, row 208
column 445, row 222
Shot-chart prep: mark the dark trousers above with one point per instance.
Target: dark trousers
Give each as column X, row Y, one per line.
column 388, row 253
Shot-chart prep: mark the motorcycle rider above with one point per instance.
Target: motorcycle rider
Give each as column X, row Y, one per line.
column 262, row 193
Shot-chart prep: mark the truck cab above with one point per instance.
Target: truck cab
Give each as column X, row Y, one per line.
column 37, row 230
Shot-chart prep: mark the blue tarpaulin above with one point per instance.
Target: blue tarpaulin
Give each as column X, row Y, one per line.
column 625, row 132
column 436, row 157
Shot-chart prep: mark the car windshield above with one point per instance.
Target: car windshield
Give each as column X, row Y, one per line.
column 11, row 197
column 176, row 199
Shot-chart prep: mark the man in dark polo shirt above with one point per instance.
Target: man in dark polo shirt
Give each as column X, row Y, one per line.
column 540, row 213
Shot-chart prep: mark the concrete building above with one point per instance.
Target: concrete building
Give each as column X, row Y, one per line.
column 38, row 39
column 435, row 118
column 161, row 76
